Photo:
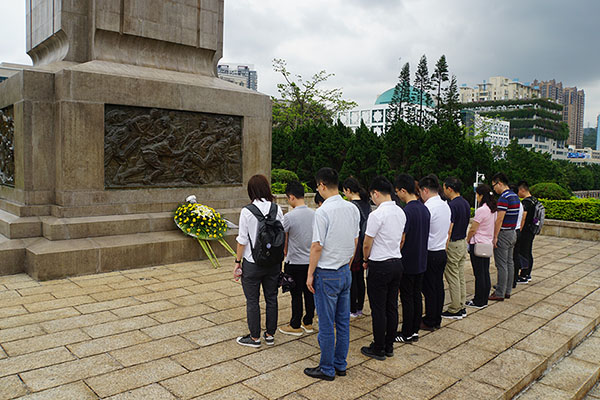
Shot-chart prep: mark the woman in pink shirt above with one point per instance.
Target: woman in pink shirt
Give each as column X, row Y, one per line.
column 482, row 231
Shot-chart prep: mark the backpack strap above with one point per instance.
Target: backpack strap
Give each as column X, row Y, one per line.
column 256, row 211
column 272, row 212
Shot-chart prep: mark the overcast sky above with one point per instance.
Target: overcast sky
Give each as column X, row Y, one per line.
column 364, row 42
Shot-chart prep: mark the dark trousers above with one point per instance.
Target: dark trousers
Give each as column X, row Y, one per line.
column 253, row 276
column 526, row 252
column 357, row 290
column 517, row 258
column 298, row 274
column 383, row 281
column 412, row 303
column 481, row 271
column 433, row 287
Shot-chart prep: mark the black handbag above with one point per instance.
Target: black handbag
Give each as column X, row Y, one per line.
column 286, row 282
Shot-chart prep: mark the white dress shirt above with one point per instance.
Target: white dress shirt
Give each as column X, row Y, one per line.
column 439, row 224
column 520, row 217
column 386, row 225
column 249, row 225
column 335, row 228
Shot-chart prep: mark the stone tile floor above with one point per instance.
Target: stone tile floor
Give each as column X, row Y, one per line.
column 167, row 333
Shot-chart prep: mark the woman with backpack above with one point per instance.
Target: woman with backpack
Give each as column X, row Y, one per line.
column 480, row 238
column 360, row 198
column 260, row 244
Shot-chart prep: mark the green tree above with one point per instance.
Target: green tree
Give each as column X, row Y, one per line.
column 302, row 100
column 400, row 105
column 423, row 85
column 364, row 152
column 440, row 75
column 451, row 104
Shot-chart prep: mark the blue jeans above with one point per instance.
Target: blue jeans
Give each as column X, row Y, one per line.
column 332, row 300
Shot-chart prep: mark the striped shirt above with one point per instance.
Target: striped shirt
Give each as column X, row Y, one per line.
column 510, row 203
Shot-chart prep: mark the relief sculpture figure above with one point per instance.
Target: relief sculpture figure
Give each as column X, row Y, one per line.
column 162, row 148
column 7, row 155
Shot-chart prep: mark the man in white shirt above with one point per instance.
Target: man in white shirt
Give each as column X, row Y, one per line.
column 439, row 225
column 382, row 257
column 335, row 234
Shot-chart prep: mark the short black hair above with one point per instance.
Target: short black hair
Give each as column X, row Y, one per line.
column 295, row 188
column 328, row 177
column 381, row 184
column 523, row 185
column 500, row 177
column 430, row 182
column 406, row 182
column 453, row 183
column 318, row 198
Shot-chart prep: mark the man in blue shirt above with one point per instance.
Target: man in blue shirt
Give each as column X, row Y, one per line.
column 456, row 249
column 414, row 256
column 335, row 235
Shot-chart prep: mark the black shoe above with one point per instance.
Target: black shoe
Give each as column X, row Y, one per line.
column 269, row 340
column 317, row 373
column 425, row 327
column 370, row 351
column 452, row 315
column 403, row 339
column 523, row 279
column 472, row 304
column 463, row 312
column 389, row 351
column 415, row 337
column 339, row 372
column 248, row 341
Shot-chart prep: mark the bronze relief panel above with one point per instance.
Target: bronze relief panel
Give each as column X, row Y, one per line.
column 7, row 150
column 151, row 147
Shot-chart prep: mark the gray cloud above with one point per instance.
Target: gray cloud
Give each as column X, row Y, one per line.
column 361, row 41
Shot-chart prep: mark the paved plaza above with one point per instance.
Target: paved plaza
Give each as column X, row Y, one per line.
column 168, row 332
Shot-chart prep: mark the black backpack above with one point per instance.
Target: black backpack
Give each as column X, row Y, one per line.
column 539, row 215
column 270, row 237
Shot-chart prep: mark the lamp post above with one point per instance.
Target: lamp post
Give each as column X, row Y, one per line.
column 478, row 176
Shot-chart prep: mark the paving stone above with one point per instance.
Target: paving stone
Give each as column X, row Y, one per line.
column 47, row 289
column 177, row 275
column 15, row 299
column 2, row 354
column 197, row 298
column 133, row 283
column 142, row 309
column 153, row 392
column 71, row 371
column 501, row 371
column 588, row 351
column 14, row 278
column 121, row 293
column 563, row 299
column 547, row 343
column 79, row 321
column 154, row 350
column 576, row 327
column 545, row 310
column 104, row 279
column 214, row 286
column 12, row 311
column 208, row 379
column 71, row 391
column 213, row 354
column 233, row 314
column 227, row 303
column 468, row 389
column 539, row 391
column 43, row 342
column 237, row 391
column 523, row 323
column 20, row 332
column 502, row 309
column 32, row 318
column 21, row 285
column 420, row 383
column 443, row 340
column 278, row 356
column 496, row 339
column 120, row 326
column 578, row 288
column 80, row 291
column 218, row 333
column 58, row 303
column 11, row 387
column 109, row 343
column 107, row 305
column 462, row 360
column 364, row 381
column 573, row 376
column 475, row 323
column 282, row 381
column 587, row 308
column 134, row 377
column 182, row 313
column 164, row 295
column 157, row 287
column 177, row 327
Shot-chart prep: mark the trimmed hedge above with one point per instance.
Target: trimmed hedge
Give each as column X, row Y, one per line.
column 283, row 176
column 579, row 210
column 279, row 187
column 492, row 103
column 550, row 191
column 528, row 113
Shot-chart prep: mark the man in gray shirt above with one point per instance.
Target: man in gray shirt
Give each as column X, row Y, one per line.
column 298, row 225
column 335, row 235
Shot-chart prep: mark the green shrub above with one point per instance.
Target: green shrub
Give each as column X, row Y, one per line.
column 283, row 176
column 550, row 191
column 580, row 210
column 279, row 188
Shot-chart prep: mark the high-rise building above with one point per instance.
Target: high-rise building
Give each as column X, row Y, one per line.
column 240, row 74
column 498, row 88
column 598, row 133
column 574, row 104
column 573, row 101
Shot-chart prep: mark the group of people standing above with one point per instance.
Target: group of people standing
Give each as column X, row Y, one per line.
column 403, row 250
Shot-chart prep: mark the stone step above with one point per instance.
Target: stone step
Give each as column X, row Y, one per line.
column 16, row 227
column 44, row 259
column 571, row 377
